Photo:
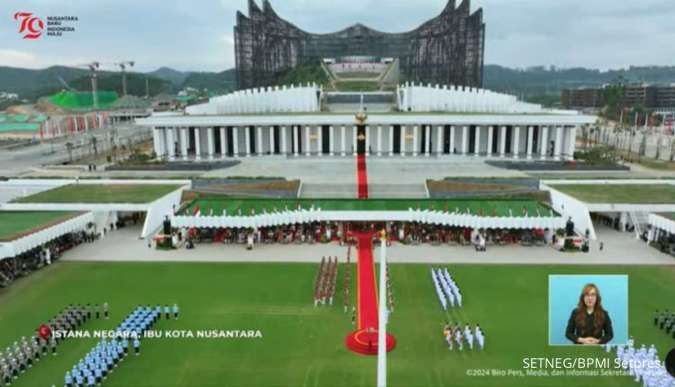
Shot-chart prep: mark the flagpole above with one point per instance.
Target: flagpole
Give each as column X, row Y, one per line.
column 383, row 316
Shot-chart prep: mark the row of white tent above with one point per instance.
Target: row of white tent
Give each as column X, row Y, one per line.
column 39, row 238
column 446, row 289
column 662, row 223
column 293, row 99
column 304, row 216
column 457, row 99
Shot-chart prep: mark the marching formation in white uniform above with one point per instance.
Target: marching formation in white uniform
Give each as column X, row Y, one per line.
column 446, row 289
column 457, row 336
column 643, row 364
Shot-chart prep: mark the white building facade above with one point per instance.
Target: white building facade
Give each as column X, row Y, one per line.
column 432, row 121
column 522, row 137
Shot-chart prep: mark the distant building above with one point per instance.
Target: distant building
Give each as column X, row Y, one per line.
column 585, row 98
column 660, row 98
column 447, row 49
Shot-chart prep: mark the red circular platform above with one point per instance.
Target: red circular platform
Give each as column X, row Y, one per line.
column 365, row 341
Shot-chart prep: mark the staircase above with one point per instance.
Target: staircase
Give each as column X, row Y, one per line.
column 639, row 220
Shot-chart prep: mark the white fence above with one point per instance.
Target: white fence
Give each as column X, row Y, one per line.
column 458, row 99
column 264, row 100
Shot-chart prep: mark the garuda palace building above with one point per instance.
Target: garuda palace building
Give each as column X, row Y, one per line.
column 447, row 49
column 446, row 114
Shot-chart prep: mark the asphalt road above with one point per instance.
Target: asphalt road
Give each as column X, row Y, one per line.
column 17, row 161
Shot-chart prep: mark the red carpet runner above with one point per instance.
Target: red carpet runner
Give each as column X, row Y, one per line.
column 364, row 339
column 361, row 177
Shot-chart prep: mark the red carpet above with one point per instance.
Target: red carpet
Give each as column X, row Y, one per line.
column 361, row 177
column 364, row 339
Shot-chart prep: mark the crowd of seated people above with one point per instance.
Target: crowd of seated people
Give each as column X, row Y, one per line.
column 408, row 233
column 38, row 257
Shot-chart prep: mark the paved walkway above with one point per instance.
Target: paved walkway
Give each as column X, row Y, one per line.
column 123, row 245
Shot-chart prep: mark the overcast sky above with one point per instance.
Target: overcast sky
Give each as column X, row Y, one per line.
column 197, row 34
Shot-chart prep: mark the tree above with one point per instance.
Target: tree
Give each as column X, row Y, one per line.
column 613, row 96
column 69, row 148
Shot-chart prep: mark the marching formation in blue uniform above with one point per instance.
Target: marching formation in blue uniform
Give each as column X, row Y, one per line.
column 105, row 356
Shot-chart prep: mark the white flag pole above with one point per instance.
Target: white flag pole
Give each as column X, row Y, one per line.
column 383, row 316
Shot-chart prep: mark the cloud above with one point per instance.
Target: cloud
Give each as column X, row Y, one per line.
column 15, row 58
column 199, row 35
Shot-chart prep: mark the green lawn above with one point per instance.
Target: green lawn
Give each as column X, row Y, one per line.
column 484, row 207
column 303, row 345
column 621, row 193
column 14, row 224
column 668, row 215
column 101, row 193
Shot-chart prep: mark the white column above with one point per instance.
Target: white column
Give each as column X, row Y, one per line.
column 169, row 143
column 259, row 138
column 331, row 140
column 476, row 146
column 308, row 151
column 530, row 138
column 198, row 144
column 354, row 140
column 235, row 141
column 247, row 135
column 516, row 142
column 367, row 140
column 343, row 141
column 465, row 140
column 403, row 139
column 489, row 141
column 439, row 140
column 284, row 147
column 544, row 141
column 157, row 142
column 273, row 149
column 427, row 140
column 184, row 143
column 502, row 141
column 415, row 140
column 572, row 144
column 209, row 141
column 452, row 139
column 223, row 146
column 391, row 140
column 296, row 140
column 379, row 140
column 558, row 143
column 320, row 141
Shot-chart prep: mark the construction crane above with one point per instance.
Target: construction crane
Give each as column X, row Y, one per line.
column 123, row 66
column 93, row 67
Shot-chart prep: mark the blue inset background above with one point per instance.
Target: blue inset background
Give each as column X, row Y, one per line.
column 563, row 296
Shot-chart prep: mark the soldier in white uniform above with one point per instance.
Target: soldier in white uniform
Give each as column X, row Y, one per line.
column 468, row 336
column 480, row 337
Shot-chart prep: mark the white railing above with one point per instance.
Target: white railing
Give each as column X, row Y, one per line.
column 284, row 99
column 458, row 99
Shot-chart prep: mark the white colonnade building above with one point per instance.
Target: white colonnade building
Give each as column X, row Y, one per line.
column 288, row 122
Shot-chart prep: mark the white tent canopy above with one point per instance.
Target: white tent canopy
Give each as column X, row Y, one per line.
column 29, row 242
column 317, row 215
column 662, row 223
